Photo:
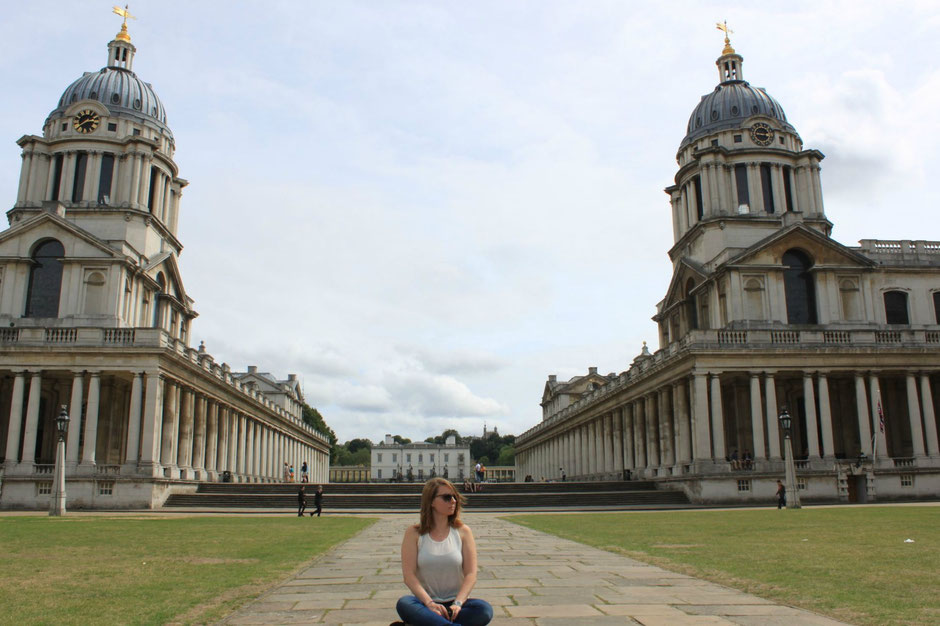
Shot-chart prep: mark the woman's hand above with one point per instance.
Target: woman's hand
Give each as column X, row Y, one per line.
column 454, row 609
column 437, row 608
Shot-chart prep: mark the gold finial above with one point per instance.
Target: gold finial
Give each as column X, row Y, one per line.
column 123, row 36
column 723, row 26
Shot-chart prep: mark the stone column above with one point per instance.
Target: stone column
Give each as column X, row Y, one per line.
column 184, row 457
column 133, row 422
column 684, row 454
column 864, row 419
column 639, row 433
column 592, row 448
column 75, row 423
column 91, row 420
column 809, row 406
column 171, row 427
column 240, row 447
column 256, row 465
column 14, row 432
column 652, row 432
column 881, row 441
column 199, row 437
column 718, row 419
column 249, row 449
column 215, row 442
column 153, row 424
column 618, row 442
column 579, row 452
column 231, row 421
column 700, row 439
column 773, row 426
column 825, row 418
column 666, row 438
column 930, row 419
column 629, row 458
column 755, row 191
column 32, row 419
column 605, row 452
column 757, row 418
column 913, row 414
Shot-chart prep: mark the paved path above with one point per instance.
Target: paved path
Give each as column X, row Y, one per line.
column 529, row 577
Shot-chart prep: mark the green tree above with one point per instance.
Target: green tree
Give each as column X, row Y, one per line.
column 313, row 417
column 507, row 455
column 355, row 444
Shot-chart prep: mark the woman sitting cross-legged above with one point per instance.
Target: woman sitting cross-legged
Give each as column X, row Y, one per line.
column 439, row 564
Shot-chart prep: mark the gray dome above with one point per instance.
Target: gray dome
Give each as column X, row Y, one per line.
column 729, row 106
column 120, row 91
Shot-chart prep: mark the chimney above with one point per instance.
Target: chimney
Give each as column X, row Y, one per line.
column 292, row 377
column 552, row 378
column 451, row 440
column 389, row 441
column 592, row 370
column 252, row 369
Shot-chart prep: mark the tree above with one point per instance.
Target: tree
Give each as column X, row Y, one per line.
column 312, row 417
column 400, row 440
column 442, row 438
column 355, row 444
column 507, row 455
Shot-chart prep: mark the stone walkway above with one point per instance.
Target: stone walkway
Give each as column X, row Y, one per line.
column 529, row 577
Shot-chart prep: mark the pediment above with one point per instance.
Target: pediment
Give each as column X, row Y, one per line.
column 167, row 264
column 19, row 240
column 685, row 270
column 824, row 250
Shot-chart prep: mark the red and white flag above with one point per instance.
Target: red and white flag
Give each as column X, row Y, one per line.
column 881, row 417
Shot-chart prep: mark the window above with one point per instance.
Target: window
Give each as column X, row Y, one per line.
column 420, row 473
column 153, row 188
column 104, row 180
column 56, row 177
column 95, row 293
column 447, row 458
column 45, row 280
column 738, row 139
column 907, row 480
column 699, row 203
column 801, row 484
column 394, row 458
column 420, row 458
column 744, row 485
column 799, row 288
column 78, row 185
column 740, row 180
column 65, row 127
column 379, row 474
column 379, row 457
column 849, row 293
column 753, row 298
column 44, row 488
column 787, row 190
column 896, row 307
column 430, row 458
column 408, row 458
column 106, row 488
column 111, row 125
column 936, row 305
column 136, row 132
column 690, row 305
column 460, row 459
column 767, row 187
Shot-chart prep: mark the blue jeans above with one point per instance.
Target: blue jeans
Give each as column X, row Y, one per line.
column 474, row 612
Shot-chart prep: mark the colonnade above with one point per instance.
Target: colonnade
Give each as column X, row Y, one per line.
column 684, row 427
column 164, row 427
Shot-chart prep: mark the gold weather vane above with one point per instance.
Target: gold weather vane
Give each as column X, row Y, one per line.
column 723, row 26
column 123, row 36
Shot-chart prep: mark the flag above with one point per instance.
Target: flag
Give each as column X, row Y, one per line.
column 881, row 418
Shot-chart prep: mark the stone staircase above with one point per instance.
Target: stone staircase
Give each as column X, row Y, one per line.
column 407, row 496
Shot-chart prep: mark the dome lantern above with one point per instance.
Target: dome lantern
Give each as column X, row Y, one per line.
column 121, row 50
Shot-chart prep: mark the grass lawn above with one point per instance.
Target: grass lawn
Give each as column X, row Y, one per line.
column 150, row 570
column 849, row 563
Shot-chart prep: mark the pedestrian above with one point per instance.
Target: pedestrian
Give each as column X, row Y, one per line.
column 301, row 501
column 478, row 470
column 439, row 564
column 290, row 473
column 303, row 472
column 564, row 476
column 317, row 501
column 286, row 473
column 781, row 495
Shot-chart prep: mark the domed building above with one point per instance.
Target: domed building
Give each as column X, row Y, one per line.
column 766, row 316
column 95, row 320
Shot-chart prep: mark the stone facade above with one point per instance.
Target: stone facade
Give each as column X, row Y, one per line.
column 392, row 461
column 764, row 310
column 94, row 317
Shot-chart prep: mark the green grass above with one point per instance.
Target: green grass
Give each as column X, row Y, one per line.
column 150, row 570
column 849, row 563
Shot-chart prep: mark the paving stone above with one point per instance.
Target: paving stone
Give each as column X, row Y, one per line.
column 554, row 610
column 688, row 620
column 631, row 610
column 741, row 609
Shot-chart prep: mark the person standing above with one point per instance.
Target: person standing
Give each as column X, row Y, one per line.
column 290, row 473
column 318, row 501
column 781, row 495
column 564, row 476
column 439, row 564
column 303, row 472
column 478, row 469
column 301, row 502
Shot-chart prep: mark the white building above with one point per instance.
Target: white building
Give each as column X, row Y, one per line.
column 393, row 461
column 94, row 316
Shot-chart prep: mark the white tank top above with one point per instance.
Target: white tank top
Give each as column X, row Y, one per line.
column 440, row 565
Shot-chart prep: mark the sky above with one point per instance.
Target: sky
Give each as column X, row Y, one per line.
column 424, row 208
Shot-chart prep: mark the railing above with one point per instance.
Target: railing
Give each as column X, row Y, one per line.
column 61, row 335
column 801, row 464
column 903, row 462
column 932, row 336
column 119, row 335
column 9, row 335
column 888, row 336
column 836, row 336
column 732, row 336
column 110, row 470
column 785, row 336
column 43, row 469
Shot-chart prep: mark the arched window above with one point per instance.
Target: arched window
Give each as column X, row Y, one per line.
column 95, row 293
column 691, row 305
column 896, row 308
column 45, row 280
column 800, row 288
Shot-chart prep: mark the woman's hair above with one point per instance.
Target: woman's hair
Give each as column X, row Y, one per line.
column 427, row 499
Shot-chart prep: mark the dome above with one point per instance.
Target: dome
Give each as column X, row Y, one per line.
column 121, row 91
column 729, row 106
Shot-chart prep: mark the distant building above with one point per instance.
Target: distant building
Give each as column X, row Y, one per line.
column 392, row 461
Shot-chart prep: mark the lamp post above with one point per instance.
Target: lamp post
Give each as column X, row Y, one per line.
column 57, row 506
column 793, row 496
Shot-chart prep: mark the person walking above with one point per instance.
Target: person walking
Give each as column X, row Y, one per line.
column 301, row 502
column 781, row 495
column 439, row 564
column 318, row 501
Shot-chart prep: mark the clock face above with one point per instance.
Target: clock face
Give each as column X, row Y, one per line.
column 762, row 134
column 86, row 121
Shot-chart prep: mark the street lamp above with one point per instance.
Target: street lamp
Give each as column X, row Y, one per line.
column 793, row 497
column 57, row 506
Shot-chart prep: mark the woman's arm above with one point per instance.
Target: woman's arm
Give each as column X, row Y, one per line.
column 469, row 568
column 409, row 571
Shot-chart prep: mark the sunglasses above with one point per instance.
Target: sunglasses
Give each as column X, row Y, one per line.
column 446, row 497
